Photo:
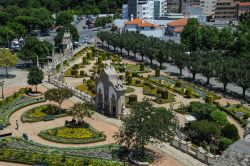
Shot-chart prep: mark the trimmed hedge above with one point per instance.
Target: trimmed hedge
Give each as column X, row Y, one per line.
column 132, row 98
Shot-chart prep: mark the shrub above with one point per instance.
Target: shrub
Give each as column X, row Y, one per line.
column 132, row 98
column 230, row 131
column 219, row 117
column 89, row 54
column 128, row 73
column 209, row 99
column 142, row 67
column 137, row 82
column 201, row 111
column 82, row 73
column 178, row 84
column 84, row 60
column 157, row 72
column 129, row 80
column 74, row 72
column 121, row 69
column 189, row 93
column 76, row 66
column 224, row 143
column 164, row 94
column 99, row 60
column 204, row 131
column 104, row 56
column 135, row 74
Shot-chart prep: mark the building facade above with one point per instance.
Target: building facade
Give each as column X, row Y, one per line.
column 145, row 9
column 242, row 8
column 148, row 29
column 226, row 10
column 174, row 6
column 208, row 6
column 132, row 8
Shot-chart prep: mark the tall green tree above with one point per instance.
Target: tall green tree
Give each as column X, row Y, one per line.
column 35, row 76
column 58, row 95
column 145, row 124
column 82, row 110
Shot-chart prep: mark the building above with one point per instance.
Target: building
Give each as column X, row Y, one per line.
column 143, row 27
column 174, row 6
column 125, row 11
column 158, row 8
column 145, row 9
column 226, row 10
column 177, row 26
column 208, row 7
column 132, row 8
column 110, row 93
column 242, row 8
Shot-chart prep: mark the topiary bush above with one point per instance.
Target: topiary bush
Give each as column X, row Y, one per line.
column 89, row 54
column 99, row 60
column 84, row 60
column 74, row 72
column 178, row 84
column 189, row 93
column 82, row 73
column 142, row 67
column 129, row 80
column 230, row 131
column 157, row 72
column 132, row 98
column 209, row 99
column 164, row 94
column 224, row 143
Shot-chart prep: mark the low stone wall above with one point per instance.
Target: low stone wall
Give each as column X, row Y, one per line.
column 198, row 153
column 77, row 93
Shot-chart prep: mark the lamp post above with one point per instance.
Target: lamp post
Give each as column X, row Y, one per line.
column 1, row 84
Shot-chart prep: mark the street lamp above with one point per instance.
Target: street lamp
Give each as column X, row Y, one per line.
column 1, row 84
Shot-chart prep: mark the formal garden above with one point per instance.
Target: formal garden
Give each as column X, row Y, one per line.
column 210, row 129
column 15, row 102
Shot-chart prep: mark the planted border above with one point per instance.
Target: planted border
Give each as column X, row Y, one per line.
column 97, row 137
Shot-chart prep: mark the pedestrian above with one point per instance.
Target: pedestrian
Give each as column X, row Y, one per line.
column 17, row 125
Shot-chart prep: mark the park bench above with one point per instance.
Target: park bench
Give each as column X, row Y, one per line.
column 49, row 117
column 5, row 135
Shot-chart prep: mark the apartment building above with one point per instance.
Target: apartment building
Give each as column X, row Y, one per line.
column 145, row 9
column 242, row 8
column 174, row 6
column 226, row 10
column 208, row 7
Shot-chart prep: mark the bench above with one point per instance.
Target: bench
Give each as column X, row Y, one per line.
column 5, row 135
column 49, row 117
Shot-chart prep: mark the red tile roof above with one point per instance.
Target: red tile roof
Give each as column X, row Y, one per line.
column 178, row 23
column 242, row 3
column 134, row 21
column 147, row 24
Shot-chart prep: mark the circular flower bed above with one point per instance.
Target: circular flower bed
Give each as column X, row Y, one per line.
column 42, row 113
column 76, row 135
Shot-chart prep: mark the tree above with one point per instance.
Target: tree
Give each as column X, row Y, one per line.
column 35, row 76
column 180, row 57
column 18, row 29
column 145, row 124
column 230, row 131
column 191, row 36
column 207, row 65
column 82, row 110
column 226, row 39
column 194, row 62
column 219, row 117
column 33, row 49
column 58, row 95
column 209, row 38
column 7, row 59
column 64, row 18
column 204, row 130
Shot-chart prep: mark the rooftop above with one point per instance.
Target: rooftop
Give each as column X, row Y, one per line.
column 242, row 3
column 178, row 23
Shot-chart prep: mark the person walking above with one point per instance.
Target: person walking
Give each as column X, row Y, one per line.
column 17, row 125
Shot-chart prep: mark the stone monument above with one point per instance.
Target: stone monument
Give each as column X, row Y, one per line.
column 110, row 93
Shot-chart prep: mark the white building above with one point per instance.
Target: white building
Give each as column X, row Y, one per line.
column 148, row 29
column 145, row 9
column 208, row 7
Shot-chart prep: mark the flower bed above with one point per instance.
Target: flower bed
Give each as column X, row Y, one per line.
column 41, row 112
column 15, row 104
column 75, row 135
column 238, row 112
column 28, row 152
